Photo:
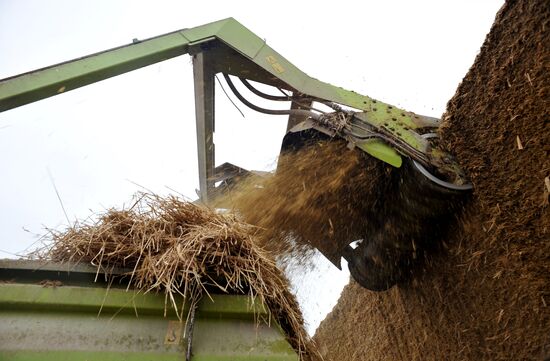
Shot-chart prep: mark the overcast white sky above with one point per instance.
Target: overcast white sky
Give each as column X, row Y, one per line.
column 96, row 143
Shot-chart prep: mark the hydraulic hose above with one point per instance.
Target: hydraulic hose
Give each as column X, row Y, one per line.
column 280, row 98
column 298, row 112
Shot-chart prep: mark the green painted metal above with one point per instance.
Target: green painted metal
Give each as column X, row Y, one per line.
column 113, row 300
column 381, row 151
column 120, row 356
column 67, row 76
column 89, row 321
column 231, row 32
column 60, row 78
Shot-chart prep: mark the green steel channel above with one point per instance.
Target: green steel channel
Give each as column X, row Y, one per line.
column 67, row 298
column 222, row 322
column 60, row 78
column 136, row 356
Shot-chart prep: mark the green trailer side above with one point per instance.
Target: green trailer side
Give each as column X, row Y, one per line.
column 57, row 312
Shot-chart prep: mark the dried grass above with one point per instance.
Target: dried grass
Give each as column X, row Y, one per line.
column 487, row 296
column 322, row 196
column 183, row 249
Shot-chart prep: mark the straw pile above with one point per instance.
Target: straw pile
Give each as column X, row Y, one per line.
column 488, row 296
column 183, row 249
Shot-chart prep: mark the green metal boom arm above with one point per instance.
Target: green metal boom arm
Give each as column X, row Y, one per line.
column 222, row 46
column 39, row 84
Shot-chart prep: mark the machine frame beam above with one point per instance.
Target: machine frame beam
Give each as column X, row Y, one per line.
column 205, row 122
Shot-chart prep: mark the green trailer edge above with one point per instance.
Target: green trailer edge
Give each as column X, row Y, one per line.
column 42, row 318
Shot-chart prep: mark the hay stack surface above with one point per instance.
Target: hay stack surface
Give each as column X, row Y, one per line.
column 488, row 296
column 184, row 249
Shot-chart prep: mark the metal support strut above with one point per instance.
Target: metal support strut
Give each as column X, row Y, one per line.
column 204, row 115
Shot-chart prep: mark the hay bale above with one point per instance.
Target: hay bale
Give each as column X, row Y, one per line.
column 181, row 248
column 488, row 296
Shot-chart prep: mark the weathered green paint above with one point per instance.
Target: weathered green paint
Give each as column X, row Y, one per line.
column 382, row 151
column 87, row 299
column 91, row 322
column 121, row 356
column 60, row 78
column 231, row 32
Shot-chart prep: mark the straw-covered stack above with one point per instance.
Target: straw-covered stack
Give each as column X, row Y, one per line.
column 183, row 249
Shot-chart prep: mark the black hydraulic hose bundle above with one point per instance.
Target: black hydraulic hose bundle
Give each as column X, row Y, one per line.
column 299, row 112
